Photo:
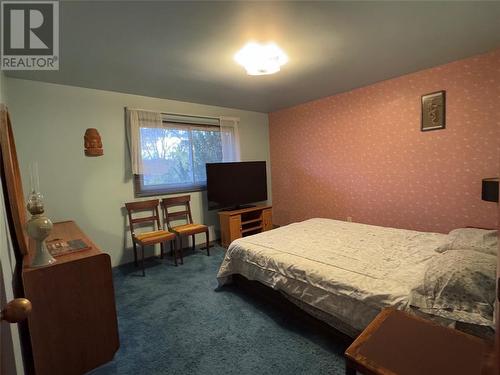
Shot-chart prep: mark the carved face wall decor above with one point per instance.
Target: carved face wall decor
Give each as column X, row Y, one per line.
column 93, row 144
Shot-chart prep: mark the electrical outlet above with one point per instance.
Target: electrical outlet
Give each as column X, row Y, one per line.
column 349, row 219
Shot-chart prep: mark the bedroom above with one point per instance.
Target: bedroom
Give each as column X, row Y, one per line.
column 340, row 129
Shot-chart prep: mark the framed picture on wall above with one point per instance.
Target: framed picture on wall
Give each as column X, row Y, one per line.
column 434, row 111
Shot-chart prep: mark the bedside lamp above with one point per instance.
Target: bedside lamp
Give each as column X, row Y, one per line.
column 490, row 190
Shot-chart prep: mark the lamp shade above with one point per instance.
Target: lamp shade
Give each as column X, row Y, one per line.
column 490, row 190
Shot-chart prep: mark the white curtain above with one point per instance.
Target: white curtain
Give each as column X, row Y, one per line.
column 230, row 139
column 135, row 120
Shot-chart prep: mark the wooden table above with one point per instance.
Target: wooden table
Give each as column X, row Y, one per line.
column 73, row 326
column 398, row 343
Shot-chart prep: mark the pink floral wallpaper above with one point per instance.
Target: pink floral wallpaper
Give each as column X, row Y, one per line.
column 362, row 154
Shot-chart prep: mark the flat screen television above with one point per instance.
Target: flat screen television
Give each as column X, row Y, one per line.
column 233, row 185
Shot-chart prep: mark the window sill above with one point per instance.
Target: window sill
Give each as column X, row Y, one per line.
column 156, row 192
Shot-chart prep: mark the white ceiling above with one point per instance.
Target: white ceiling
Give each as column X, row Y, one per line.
column 184, row 50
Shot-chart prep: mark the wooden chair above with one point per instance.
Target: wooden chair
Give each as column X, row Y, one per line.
column 153, row 237
column 188, row 229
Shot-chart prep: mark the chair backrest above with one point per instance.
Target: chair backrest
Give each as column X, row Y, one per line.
column 169, row 216
column 149, row 205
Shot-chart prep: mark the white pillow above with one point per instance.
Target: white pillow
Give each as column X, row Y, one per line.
column 482, row 240
column 458, row 285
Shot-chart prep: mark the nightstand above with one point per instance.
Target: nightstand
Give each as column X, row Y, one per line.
column 398, row 343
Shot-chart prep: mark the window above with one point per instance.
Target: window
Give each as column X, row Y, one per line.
column 173, row 157
column 168, row 152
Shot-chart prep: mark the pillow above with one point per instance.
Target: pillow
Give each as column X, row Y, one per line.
column 458, row 285
column 482, row 240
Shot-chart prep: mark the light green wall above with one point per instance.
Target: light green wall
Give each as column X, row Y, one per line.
column 49, row 122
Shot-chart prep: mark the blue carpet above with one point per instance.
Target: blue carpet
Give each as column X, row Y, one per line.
column 173, row 321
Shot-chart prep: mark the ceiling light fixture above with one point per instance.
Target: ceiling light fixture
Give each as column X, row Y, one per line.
column 260, row 59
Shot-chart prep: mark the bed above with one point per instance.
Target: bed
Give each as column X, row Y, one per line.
column 345, row 273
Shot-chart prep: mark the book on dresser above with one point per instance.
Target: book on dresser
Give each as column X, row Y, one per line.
column 58, row 246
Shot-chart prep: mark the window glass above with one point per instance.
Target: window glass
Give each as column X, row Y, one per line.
column 174, row 157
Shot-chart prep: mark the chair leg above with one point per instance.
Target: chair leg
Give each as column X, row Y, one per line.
column 135, row 254
column 180, row 250
column 192, row 237
column 208, row 242
column 161, row 250
column 173, row 251
column 142, row 261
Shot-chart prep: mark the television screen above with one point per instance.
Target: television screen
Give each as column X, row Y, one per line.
column 234, row 184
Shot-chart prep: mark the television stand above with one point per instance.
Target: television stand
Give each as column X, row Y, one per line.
column 244, row 222
column 240, row 207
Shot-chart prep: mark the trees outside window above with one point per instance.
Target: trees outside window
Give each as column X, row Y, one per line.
column 174, row 157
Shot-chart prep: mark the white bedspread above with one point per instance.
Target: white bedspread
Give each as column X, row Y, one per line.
column 348, row 270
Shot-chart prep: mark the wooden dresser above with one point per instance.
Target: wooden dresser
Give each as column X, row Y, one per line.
column 247, row 221
column 73, row 325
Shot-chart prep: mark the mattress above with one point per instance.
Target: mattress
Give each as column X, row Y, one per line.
column 348, row 271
